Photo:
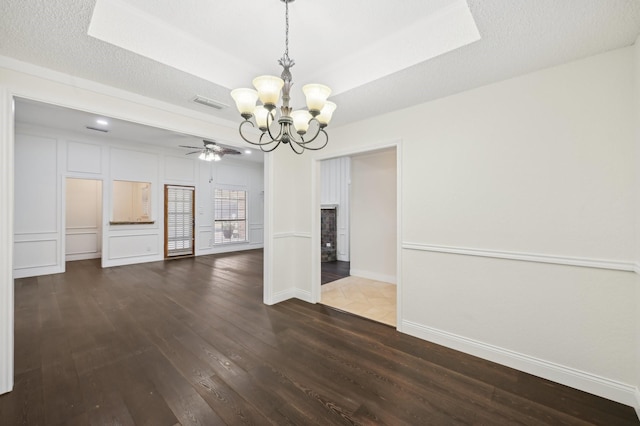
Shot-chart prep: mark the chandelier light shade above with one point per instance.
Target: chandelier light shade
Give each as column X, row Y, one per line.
column 301, row 129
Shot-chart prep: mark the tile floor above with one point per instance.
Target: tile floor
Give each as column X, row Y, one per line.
column 370, row 299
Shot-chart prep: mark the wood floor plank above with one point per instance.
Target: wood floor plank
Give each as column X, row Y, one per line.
column 63, row 398
column 25, row 405
column 189, row 341
column 187, row 405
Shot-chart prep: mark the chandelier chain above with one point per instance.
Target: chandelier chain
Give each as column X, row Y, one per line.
column 286, row 37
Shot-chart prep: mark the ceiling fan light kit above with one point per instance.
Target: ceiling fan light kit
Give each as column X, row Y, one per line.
column 211, row 151
column 292, row 125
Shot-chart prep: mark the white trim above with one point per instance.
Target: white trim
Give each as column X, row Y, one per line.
column 267, row 238
column 316, row 237
column 303, row 295
column 391, row 279
column 592, row 383
column 72, row 257
column 6, row 240
column 399, row 216
column 316, row 289
column 637, row 404
column 93, row 86
column 358, row 150
column 280, row 235
column 636, row 267
column 618, row 265
column 292, row 293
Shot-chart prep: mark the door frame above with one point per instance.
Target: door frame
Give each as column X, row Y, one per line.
column 64, row 209
column 166, row 221
column 316, row 286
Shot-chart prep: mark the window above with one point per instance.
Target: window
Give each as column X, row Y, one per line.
column 131, row 202
column 230, row 216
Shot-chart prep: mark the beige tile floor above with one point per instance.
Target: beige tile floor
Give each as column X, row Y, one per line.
column 370, row 299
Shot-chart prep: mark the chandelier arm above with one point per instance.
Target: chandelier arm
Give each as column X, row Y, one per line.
column 259, row 143
column 301, row 141
column 262, row 145
column 315, row 136
column 293, row 148
column 268, row 142
column 317, row 148
column 242, row 134
column 279, row 136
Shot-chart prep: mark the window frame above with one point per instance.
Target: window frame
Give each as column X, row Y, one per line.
column 217, row 220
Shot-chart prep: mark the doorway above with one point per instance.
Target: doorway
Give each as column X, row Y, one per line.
column 83, row 228
column 370, row 290
column 179, row 221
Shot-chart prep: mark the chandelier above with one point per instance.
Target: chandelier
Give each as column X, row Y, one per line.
column 292, row 127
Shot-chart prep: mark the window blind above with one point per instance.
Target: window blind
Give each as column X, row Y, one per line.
column 179, row 220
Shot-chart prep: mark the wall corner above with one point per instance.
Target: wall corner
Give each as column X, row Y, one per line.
column 6, row 240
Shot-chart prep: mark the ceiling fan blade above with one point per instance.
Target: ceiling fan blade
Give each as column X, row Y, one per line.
column 193, row 152
column 192, row 147
column 229, row 151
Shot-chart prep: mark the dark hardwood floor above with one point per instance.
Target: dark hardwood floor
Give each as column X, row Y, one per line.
column 190, row 342
column 333, row 271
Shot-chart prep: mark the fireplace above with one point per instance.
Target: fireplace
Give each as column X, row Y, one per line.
column 328, row 234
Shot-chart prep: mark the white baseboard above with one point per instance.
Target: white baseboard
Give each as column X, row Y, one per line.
column 587, row 382
column 292, row 293
column 82, row 256
column 637, row 405
column 303, row 295
column 37, row 271
column 6, row 389
column 391, row 279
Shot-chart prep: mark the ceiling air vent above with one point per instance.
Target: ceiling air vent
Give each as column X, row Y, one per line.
column 209, row 102
column 97, row 130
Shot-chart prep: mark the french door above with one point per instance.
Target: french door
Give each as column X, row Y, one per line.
column 179, row 220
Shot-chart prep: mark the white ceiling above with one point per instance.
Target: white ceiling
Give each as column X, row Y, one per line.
column 29, row 112
column 517, row 37
column 196, row 37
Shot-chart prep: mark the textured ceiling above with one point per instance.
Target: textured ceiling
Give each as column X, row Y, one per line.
column 198, row 37
column 517, row 37
column 30, row 112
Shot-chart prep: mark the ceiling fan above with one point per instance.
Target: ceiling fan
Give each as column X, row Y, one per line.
column 211, row 151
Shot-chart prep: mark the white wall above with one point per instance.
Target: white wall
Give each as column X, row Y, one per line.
column 236, row 175
column 83, row 219
column 518, row 220
column 373, row 216
column 126, row 244
column 335, row 182
column 39, row 222
column 40, row 231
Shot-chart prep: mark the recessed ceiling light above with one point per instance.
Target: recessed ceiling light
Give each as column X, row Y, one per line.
column 102, row 122
column 247, row 151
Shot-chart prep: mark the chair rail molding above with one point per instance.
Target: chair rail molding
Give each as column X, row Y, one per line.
column 617, row 265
